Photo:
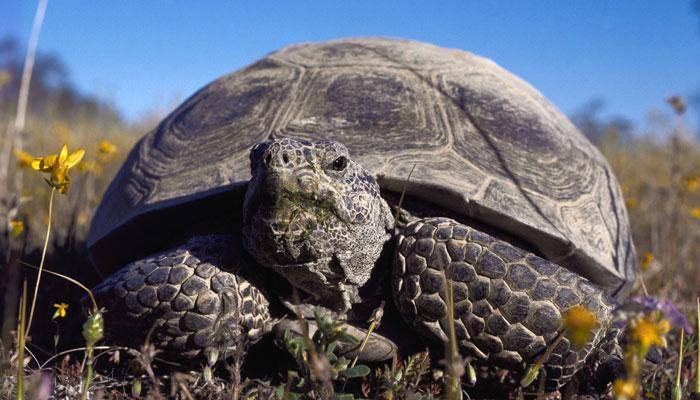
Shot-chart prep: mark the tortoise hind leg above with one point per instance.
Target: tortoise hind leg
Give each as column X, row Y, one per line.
column 192, row 297
column 508, row 303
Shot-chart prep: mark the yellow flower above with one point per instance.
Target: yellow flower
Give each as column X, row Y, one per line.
column 106, row 147
column 646, row 332
column 647, row 260
column 91, row 166
column 695, row 212
column 692, row 183
column 24, row 159
column 58, row 166
column 106, row 151
column 16, row 228
column 61, row 309
column 626, row 389
column 579, row 321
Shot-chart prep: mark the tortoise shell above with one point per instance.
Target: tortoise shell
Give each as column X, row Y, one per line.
column 484, row 143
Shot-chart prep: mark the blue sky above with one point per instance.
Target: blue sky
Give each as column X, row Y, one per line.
column 145, row 54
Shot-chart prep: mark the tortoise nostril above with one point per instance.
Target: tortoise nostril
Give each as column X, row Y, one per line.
column 285, row 158
column 268, row 158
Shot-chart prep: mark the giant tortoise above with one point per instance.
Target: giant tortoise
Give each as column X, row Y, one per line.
column 289, row 174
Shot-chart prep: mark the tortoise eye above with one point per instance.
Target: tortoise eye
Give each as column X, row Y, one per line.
column 340, row 163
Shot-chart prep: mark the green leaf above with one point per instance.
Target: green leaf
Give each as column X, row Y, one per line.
column 348, row 338
column 341, row 363
column 332, row 357
column 344, row 396
column 357, row 371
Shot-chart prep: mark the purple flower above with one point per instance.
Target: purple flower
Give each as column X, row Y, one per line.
column 647, row 304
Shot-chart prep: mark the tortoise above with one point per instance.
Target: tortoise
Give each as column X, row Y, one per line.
column 290, row 174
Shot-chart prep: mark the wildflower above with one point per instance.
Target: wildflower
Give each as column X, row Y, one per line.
column 695, row 212
column 692, row 183
column 16, row 228
column 626, row 389
column 579, row 321
column 106, row 151
column 24, row 159
column 631, row 203
column 90, row 166
column 646, row 261
column 646, row 332
column 649, row 304
column 58, row 166
column 61, row 309
column 106, row 147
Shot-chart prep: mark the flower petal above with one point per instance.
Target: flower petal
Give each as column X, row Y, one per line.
column 44, row 164
column 74, row 158
column 36, row 164
column 64, row 153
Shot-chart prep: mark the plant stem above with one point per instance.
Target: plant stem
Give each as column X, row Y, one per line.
column 644, row 286
column 41, row 263
column 71, row 280
column 20, row 343
column 14, row 137
column 364, row 343
column 403, row 194
column 677, row 392
column 29, row 65
column 534, row 370
column 453, row 391
column 88, row 374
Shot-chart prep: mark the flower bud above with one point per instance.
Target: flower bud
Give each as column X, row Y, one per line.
column 531, row 375
column 212, row 356
column 94, row 329
column 136, row 387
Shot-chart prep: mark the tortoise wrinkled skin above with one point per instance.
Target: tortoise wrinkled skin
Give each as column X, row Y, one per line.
column 298, row 160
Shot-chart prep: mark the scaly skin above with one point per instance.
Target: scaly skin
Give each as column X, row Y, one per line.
column 192, row 297
column 508, row 303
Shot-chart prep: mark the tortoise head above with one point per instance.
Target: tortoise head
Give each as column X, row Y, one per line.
column 315, row 216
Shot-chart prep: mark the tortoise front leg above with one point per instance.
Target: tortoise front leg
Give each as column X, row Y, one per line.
column 508, row 303
column 192, row 299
